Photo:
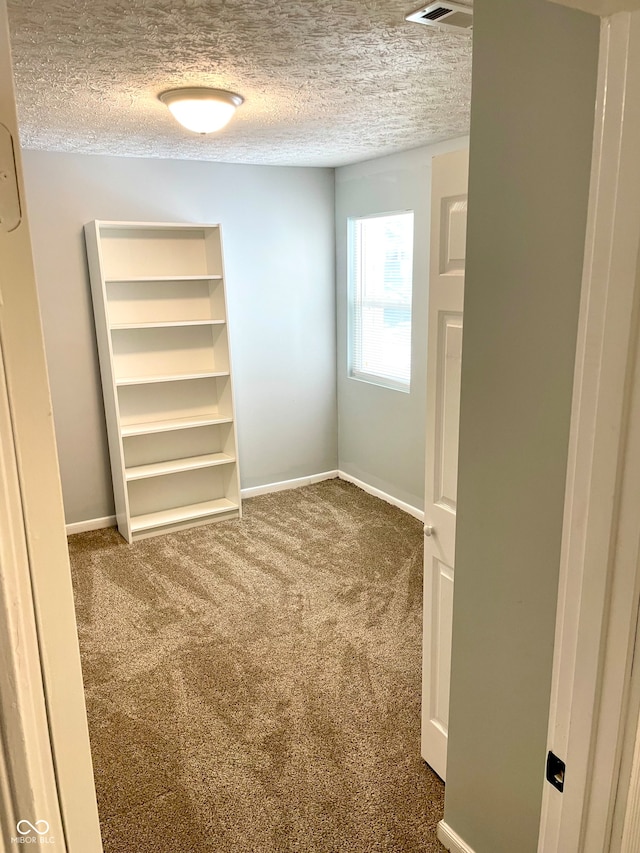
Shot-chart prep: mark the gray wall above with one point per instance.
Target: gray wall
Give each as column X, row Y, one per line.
column 381, row 432
column 278, row 232
column 534, row 77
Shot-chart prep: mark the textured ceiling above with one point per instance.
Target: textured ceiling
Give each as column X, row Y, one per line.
column 601, row 7
column 326, row 83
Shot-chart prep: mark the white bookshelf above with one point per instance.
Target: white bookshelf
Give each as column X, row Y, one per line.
column 161, row 324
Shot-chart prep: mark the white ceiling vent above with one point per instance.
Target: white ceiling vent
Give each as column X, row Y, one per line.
column 445, row 16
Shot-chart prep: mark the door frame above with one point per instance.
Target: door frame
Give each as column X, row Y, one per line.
column 36, row 589
column 28, row 789
column 599, row 579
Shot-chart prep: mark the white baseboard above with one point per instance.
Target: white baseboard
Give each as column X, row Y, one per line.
column 288, row 484
column 405, row 507
column 91, row 524
column 110, row 520
column 452, row 840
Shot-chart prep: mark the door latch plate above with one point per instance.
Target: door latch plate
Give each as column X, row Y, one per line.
column 555, row 771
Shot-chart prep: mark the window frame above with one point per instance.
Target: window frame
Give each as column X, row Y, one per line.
column 352, row 319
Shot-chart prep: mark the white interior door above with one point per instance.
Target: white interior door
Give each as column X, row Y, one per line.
column 446, row 291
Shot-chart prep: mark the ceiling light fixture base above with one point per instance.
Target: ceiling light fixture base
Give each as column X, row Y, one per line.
column 201, row 109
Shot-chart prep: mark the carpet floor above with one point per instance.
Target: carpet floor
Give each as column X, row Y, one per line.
column 254, row 686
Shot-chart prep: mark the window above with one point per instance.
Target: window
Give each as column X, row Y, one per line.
column 380, row 284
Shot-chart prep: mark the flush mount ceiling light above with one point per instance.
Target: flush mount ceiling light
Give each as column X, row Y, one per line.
column 200, row 109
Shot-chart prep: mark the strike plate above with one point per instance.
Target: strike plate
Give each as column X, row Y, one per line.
column 10, row 214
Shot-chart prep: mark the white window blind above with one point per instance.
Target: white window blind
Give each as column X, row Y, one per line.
column 380, row 286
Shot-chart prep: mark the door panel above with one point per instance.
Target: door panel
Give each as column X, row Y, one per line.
column 448, row 415
column 442, row 604
column 453, row 235
column 444, row 359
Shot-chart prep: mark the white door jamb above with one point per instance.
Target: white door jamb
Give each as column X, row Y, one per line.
column 38, row 587
column 28, row 789
column 598, row 591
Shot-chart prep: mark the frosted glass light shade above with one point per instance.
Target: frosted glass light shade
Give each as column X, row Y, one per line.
column 201, row 110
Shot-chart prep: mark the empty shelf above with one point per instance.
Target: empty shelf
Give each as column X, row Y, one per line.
column 181, row 513
column 166, row 324
column 176, row 278
column 157, row 469
column 176, row 377
column 174, row 423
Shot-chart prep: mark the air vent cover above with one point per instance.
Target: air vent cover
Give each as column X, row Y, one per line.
column 445, row 16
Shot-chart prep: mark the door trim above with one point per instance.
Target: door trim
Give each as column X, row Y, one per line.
column 598, row 595
column 41, row 511
column 28, row 790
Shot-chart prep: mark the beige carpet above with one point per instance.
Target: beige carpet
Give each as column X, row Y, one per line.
column 255, row 685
